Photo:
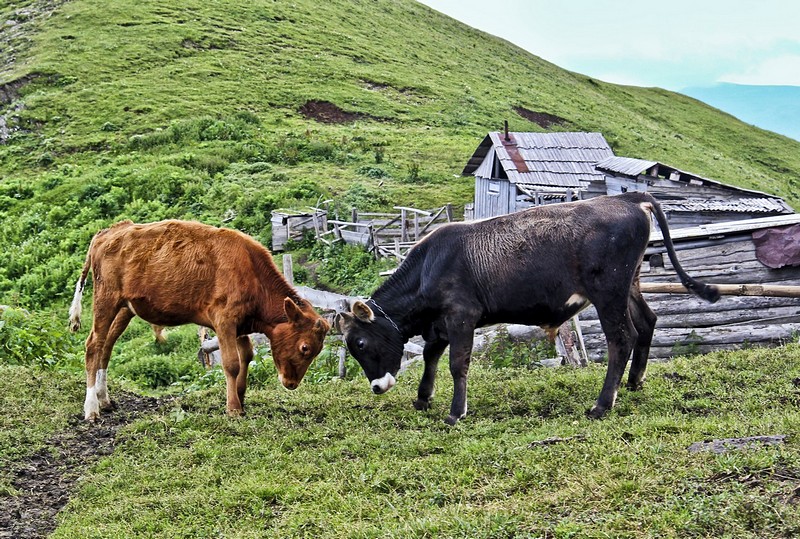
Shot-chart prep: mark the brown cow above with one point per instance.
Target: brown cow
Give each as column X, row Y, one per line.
column 178, row 272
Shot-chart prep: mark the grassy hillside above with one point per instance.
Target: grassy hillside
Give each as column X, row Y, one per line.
column 203, row 109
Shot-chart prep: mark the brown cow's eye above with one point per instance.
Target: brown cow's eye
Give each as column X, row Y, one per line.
column 304, row 348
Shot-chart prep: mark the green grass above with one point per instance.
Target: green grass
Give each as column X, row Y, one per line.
column 333, row 460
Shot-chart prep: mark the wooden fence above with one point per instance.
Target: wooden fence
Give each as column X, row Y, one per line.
column 385, row 234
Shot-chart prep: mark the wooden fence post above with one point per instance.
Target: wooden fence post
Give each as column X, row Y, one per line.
column 288, row 269
column 342, row 361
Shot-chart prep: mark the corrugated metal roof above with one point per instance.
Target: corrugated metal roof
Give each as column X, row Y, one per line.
column 626, row 165
column 629, row 166
column 547, row 159
column 743, row 205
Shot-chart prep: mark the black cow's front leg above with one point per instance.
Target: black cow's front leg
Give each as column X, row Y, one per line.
column 431, row 354
column 460, row 355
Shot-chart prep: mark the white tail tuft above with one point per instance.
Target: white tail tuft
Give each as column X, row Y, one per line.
column 75, row 308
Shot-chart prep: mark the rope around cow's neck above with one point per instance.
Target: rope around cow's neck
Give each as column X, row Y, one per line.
column 389, row 318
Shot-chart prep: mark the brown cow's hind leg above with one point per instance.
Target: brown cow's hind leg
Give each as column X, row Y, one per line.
column 105, row 332
column 231, row 366
column 245, row 357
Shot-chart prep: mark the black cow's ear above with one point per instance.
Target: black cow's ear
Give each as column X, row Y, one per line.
column 363, row 312
column 342, row 321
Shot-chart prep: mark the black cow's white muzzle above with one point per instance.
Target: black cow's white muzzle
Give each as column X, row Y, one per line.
column 383, row 384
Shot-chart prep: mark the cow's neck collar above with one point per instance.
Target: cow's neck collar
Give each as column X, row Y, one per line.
column 386, row 316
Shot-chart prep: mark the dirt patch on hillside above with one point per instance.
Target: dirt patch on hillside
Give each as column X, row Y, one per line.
column 328, row 113
column 542, row 119
column 45, row 480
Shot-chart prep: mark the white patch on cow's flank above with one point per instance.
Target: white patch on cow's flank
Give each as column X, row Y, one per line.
column 647, row 208
column 385, row 382
column 576, row 299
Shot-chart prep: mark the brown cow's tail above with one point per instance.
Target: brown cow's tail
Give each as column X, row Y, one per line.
column 708, row 292
column 75, row 308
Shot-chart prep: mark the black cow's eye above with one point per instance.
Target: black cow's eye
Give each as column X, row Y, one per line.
column 360, row 343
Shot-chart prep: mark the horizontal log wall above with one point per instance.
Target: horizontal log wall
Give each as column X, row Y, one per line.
column 687, row 324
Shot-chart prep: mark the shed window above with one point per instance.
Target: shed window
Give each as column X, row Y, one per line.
column 494, row 188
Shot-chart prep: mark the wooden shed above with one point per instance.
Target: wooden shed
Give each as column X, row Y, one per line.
column 687, row 199
column 720, row 253
column 514, row 171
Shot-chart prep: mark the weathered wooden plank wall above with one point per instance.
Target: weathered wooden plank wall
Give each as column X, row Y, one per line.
column 689, row 324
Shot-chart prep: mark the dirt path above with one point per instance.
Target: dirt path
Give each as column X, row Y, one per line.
column 46, row 479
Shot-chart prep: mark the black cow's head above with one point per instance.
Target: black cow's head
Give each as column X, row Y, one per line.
column 375, row 342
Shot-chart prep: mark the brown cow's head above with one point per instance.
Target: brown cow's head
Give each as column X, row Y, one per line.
column 376, row 343
column 296, row 342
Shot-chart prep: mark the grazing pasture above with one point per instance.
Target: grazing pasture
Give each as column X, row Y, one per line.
column 331, row 461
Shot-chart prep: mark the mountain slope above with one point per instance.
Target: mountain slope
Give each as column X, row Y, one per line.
column 776, row 108
column 205, row 110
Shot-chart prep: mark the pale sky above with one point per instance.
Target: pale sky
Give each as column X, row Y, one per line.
column 672, row 44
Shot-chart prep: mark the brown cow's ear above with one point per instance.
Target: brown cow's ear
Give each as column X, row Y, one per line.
column 293, row 312
column 363, row 312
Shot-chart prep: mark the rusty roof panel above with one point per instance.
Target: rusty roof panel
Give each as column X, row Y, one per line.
column 555, row 159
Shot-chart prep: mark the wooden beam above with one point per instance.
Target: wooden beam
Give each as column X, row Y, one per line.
column 782, row 291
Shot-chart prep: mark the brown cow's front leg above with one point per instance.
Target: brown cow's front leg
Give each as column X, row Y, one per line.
column 460, row 355
column 231, row 366
column 245, row 347
column 431, row 354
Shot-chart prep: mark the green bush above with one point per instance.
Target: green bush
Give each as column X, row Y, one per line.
column 39, row 339
column 502, row 352
column 156, row 372
column 349, row 269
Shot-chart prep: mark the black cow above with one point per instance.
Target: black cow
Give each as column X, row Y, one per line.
column 539, row 267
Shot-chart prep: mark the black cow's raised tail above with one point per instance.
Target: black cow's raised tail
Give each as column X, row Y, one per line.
column 708, row 292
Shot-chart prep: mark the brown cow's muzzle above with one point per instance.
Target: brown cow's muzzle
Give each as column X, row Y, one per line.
column 288, row 383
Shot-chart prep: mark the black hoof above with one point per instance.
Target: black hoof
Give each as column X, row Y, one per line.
column 421, row 405
column 110, row 407
column 596, row 412
column 451, row 420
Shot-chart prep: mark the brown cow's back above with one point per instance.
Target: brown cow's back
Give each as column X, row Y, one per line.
column 177, row 272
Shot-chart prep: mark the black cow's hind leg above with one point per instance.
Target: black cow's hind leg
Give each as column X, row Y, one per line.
column 620, row 334
column 644, row 320
column 431, row 353
column 460, row 355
